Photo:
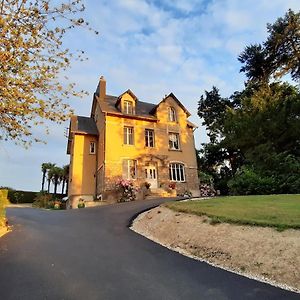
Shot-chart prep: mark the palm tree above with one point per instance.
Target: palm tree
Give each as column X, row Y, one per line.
column 45, row 167
column 55, row 174
column 49, row 175
column 65, row 178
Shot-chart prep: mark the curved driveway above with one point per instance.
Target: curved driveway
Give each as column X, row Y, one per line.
column 92, row 254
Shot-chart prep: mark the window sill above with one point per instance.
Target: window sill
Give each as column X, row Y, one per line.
column 176, row 150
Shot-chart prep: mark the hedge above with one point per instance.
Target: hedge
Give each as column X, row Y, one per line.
column 15, row 196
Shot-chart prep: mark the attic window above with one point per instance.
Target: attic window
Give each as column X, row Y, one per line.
column 172, row 114
column 128, row 107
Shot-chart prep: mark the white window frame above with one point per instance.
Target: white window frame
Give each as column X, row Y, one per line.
column 172, row 114
column 131, row 165
column 148, row 138
column 128, row 107
column 92, row 147
column 172, row 142
column 128, row 132
column 177, row 172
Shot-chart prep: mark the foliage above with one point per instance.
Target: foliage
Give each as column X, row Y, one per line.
column 207, row 190
column 172, row 185
column 3, row 203
column 32, row 60
column 81, row 203
column 43, row 200
column 255, row 133
column 278, row 55
column 248, row 182
column 127, row 190
column 15, row 196
column 46, row 200
column 280, row 211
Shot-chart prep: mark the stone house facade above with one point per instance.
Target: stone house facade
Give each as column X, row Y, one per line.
column 130, row 139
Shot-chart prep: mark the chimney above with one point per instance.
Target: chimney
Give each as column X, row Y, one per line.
column 102, row 88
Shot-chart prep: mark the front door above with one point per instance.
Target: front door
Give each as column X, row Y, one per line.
column 151, row 176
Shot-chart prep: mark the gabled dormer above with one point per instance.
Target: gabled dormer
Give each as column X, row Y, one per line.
column 170, row 110
column 127, row 103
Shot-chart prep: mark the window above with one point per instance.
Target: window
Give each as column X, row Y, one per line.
column 172, row 114
column 129, row 169
column 149, row 137
column 176, row 172
column 128, row 136
column 174, row 141
column 128, row 108
column 92, row 148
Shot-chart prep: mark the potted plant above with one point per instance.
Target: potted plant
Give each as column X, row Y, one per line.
column 81, row 203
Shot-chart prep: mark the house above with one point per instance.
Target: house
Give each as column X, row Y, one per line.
column 130, row 139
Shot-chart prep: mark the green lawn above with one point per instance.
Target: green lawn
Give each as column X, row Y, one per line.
column 281, row 211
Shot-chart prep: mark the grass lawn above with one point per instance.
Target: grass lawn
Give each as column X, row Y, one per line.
column 281, row 211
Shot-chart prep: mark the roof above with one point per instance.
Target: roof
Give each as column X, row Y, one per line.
column 142, row 109
column 176, row 100
column 83, row 125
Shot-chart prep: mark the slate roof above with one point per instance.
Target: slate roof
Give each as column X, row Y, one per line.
column 83, row 125
column 143, row 109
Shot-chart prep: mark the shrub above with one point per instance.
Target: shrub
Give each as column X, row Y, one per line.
column 81, row 203
column 249, row 182
column 21, row 196
column 207, row 191
column 128, row 192
column 43, row 200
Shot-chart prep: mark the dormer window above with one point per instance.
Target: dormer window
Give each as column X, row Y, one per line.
column 128, row 107
column 172, row 114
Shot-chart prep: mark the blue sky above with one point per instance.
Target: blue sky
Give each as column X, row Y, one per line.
column 153, row 47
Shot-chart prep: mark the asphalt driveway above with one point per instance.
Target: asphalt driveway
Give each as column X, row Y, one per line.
column 92, row 254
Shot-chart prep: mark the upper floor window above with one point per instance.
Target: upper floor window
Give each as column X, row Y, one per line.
column 172, row 114
column 128, row 107
column 128, row 135
column 174, row 141
column 176, row 172
column 92, row 148
column 129, row 169
column 149, row 137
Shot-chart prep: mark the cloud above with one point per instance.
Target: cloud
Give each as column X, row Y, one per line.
column 153, row 47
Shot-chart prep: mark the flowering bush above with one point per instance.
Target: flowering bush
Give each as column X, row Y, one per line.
column 172, row 185
column 128, row 192
column 207, row 191
column 81, row 203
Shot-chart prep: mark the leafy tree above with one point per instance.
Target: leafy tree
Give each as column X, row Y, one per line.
column 278, row 55
column 32, row 59
column 255, row 134
column 283, row 44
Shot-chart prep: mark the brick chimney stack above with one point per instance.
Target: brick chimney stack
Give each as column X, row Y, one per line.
column 102, row 88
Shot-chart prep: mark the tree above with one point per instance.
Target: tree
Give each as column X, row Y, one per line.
column 45, row 167
column 278, row 55
column 283, row 44
column 32, row 59
column 50, row 175
column 65, row 178
column 55, row 174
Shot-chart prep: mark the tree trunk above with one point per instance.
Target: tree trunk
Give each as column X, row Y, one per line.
column 48, row 185
column 55, row 187
column 43, row 181
column 63, row 187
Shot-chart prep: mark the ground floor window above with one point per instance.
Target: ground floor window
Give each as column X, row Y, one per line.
column 176, row 172
column 129, row 169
